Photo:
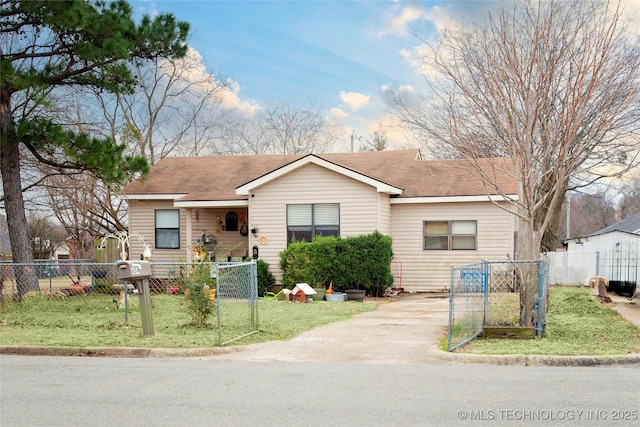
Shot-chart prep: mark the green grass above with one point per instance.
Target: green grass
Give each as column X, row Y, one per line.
column 576, row 325
column 94, row 321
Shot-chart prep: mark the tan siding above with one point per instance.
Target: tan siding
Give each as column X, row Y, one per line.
column 141, row 221
column 384, row 214
column 430, row 270
column 360, row 207
column 362, row 211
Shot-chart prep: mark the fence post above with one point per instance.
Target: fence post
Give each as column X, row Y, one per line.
column 541, row 306
column 485, row 288
column 253, row 293
column 450, row 325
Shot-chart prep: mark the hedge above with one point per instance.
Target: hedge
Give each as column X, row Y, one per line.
column 361, row 262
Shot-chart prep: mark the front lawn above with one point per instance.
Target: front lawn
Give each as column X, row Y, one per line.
column 576, row 325
column 94, row 321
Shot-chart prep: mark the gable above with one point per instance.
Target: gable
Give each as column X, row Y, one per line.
column 381, row 187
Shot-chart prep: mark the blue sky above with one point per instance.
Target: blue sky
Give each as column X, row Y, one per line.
column 337, row 55
column 295, row 51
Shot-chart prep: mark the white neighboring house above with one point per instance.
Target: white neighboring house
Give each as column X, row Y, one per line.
column 612, row 252
column 439, row 213
column 62, row 252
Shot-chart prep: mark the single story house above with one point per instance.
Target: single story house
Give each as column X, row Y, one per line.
column 612, row 252
column 439, row 213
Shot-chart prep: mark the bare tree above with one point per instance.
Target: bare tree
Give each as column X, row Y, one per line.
column 589, row 212
column 175, row 108
column 553, row 84
column 630, row 191
column 284, row 129
column 45, row 236
column 375, row 142
column 87, row 209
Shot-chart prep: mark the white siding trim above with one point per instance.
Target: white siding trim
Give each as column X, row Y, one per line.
column 210, row 203
column 381, row 187
column 453, row 199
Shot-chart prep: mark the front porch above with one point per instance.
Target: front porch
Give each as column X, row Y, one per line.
column 219, row 233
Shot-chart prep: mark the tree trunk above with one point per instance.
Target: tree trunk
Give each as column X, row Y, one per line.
column 550, row 238
column 26, row 279
column 528, row 250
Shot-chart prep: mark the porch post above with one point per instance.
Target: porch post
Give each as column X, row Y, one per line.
column 189, row 235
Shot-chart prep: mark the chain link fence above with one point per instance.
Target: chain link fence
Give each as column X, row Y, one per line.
column 235, row 284
column 237, row 298
column 57, row 278
column 496, row 293
column 466, row 304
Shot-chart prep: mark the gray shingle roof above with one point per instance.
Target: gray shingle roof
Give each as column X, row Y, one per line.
column 628, row 225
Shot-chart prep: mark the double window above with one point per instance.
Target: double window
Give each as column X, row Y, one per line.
column 167, row 227
column 450, row 235
column 306, row 221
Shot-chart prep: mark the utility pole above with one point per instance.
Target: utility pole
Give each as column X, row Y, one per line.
column 568, row 194
column 353, row 135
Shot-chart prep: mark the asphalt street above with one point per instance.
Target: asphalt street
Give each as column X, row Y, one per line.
column 74, row 391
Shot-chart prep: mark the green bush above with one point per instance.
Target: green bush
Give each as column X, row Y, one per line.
column 361, row 262
column 200, row 283
column 200, row 305
column 266, row 279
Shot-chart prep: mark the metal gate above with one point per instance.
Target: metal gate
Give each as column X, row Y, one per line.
column 490, row 293
column 237, row 300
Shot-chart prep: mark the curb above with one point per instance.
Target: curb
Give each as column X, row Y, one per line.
column 439, row 355
column 129, row 352
column 539, row 360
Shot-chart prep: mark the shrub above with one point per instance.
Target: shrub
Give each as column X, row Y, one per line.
column 265, row 278
column 199, row 283
column 200, row 305
column 352, row 262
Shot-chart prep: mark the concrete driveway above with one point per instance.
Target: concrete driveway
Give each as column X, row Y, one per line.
column 404, row 331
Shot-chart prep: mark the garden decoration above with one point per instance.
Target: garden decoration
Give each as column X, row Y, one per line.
column 123, row 239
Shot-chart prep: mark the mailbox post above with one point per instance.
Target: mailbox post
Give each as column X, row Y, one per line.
column 138, row 273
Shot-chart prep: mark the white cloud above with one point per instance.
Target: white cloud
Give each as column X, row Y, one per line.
column 231, row 100
column 354, row 100
column 400, row 23
column 337, row 112
column 398, row 136
column 401, row 88
column 194, row 74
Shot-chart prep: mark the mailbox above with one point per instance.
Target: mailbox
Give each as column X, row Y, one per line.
column 133, row 270
column 139, row 272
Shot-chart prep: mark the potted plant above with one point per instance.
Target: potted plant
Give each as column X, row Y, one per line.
column 355, row 294
column 320, row 291
column 332, row 296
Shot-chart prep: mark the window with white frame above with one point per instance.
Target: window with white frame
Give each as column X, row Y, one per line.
column 306, row 221
column 167, row 227
column 461, row 235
